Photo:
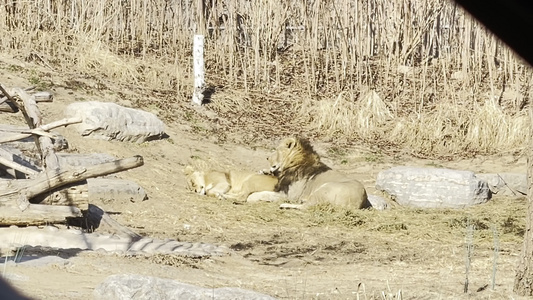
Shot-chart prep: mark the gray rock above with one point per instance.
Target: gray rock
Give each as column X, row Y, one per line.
column 114, row 189
column 76, row 160
column 109, row 121
column 506, row 184
column 130, row 287
column 432, row 187
column 378, row 202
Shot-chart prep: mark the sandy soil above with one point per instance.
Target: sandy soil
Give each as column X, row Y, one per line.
column 286, row 254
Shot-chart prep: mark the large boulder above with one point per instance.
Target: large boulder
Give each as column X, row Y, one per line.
column 130, row 287
column 433, row 187
column 110, row 121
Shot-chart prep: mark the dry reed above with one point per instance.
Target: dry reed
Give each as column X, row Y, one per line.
column 417, row 56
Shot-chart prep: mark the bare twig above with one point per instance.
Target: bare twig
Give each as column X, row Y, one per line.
column 41, row 130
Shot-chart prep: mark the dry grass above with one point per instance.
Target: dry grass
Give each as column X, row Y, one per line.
column 443, row 225
column 346, row 116
column 446, row 130
column 433, row 71
column 451, row 130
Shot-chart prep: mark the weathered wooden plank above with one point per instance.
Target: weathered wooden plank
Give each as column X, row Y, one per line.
column 36, row 214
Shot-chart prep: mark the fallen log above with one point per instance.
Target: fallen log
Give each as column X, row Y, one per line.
column 42, row 96
column 7, row 106
column 45, row 183
column 76, row 194
column 11, row 160
column 43, row 142
column 6, row 102
column 93, row 190
column 11, row 134
column 19, row 107
column 36, row 214
column 17, row 193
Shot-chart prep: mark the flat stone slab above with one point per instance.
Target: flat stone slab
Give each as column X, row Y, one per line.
column 433, row 187
column 131, row 287
column 51, row 236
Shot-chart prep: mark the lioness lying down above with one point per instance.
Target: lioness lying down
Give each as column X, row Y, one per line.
column 308, row 181
column 236, row 185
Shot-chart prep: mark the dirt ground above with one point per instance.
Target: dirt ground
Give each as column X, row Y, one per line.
column 288, row 254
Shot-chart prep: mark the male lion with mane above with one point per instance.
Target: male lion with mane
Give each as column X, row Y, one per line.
column 307, row 180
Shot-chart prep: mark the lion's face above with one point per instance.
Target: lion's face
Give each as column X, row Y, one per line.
column 196, row 182
column 280, row 159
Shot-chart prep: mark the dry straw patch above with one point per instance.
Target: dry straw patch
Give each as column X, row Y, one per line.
column 454, row 129
column 447, row 129
column 95, row 57
column 494, row 129
column 442, row 225
column 348, row 116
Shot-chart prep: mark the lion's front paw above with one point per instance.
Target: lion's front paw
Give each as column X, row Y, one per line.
column 265, row 172
column 221, row 197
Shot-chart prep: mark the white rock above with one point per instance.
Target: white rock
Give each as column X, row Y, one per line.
column 109, row 121
column 433, row 187
column 131, row 287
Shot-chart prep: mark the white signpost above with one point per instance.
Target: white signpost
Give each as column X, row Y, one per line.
column 198, row 69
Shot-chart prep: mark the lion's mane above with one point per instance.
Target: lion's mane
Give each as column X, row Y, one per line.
column 302, row 162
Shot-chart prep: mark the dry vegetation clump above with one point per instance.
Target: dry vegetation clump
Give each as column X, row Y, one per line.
column 349, row 117
column 454, row 130
column 439, row 81
column 444, row 225
column 255, row 116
